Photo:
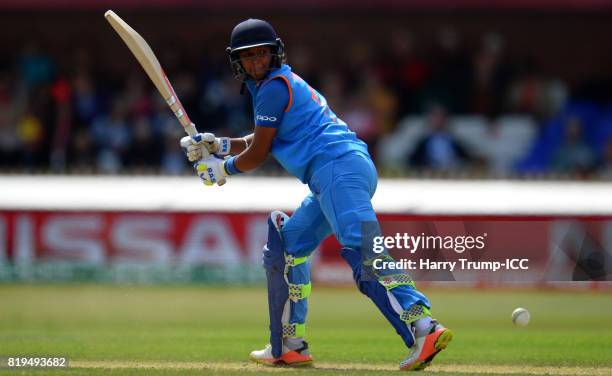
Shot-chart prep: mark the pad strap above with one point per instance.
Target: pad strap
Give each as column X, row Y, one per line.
column 394, row 280
column 301, row 291
column 294, row 330
column 294, row 261
column 297, row 292
column 415, row 313
column 389, row 281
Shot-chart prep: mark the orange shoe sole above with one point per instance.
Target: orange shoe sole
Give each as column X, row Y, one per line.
column 434, row 343
column 291, row 359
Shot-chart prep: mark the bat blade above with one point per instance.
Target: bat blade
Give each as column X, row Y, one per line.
column 147, row 59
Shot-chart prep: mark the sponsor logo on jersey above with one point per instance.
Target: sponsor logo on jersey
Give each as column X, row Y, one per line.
column 266, row 118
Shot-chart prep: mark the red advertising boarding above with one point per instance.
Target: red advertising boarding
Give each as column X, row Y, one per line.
column 451, row 248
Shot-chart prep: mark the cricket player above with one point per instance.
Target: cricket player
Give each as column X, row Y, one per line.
column 294, row 122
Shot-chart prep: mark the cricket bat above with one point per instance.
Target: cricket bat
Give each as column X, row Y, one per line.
column 147, row 59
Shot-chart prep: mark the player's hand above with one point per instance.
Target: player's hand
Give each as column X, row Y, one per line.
column 211, row 170
column 192, row 146
column 214, row 145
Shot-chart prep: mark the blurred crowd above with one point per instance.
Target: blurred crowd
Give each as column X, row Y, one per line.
column 438, row 108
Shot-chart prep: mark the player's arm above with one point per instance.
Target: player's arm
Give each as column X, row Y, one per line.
column 214, row 145
column 273, row 100
column 213, row 169
column 258, row 150
column 238, row 145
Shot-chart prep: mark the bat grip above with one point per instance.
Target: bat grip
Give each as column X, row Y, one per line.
column 192, row 131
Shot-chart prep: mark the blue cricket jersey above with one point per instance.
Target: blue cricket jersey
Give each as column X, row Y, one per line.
column 309, row 134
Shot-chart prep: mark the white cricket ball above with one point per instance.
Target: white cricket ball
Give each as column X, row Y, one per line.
column 520, row 317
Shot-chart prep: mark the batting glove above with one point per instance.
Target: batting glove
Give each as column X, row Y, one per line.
column 214, row 145
column 211, row 170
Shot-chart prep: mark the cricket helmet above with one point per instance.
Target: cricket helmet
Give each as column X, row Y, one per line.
column 254, row 33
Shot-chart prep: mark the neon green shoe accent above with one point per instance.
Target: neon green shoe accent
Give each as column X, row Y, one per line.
column 202, row 167
column 444, row 339
column 440, row 345
column 294, row 330
column 415, row 312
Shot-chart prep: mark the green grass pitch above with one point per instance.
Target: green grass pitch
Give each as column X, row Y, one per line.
column 123, row 330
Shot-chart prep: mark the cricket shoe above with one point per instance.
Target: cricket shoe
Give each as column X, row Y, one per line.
column 295, row 358
column 426, row 347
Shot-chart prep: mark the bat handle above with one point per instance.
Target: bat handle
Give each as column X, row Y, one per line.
column 192, row 131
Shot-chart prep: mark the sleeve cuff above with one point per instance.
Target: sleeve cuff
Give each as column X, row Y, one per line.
column 230, row 166
column 266, row 125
